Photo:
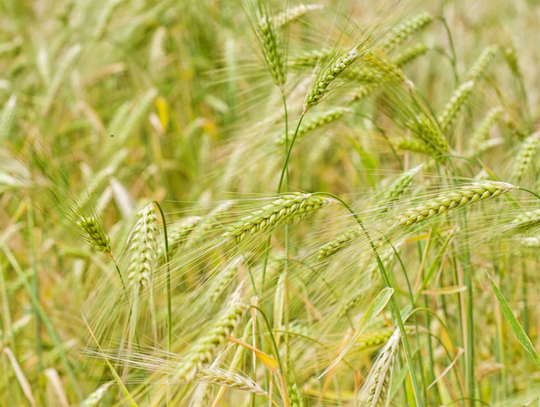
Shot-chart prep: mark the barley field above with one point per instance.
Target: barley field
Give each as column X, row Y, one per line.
column 269, row 203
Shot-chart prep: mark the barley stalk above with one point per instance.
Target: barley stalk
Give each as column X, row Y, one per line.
column 143, row 248
column 282, row 210
column 463, row 196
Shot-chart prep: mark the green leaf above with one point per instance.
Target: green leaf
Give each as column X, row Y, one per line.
column 376, row 306
column 516, row 327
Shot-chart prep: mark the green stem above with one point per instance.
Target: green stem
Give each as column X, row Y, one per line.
column 169, row 300
column 393, row 301
column 35, row 285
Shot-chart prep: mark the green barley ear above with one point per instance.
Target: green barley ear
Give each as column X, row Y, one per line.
column 294, row 13
column 479, row 138
column 296, row 398
column 526, row 221
column 479, row 68
column 525, row 156
column 404, row 30
column 410, row 54
column 67, row 64
column 225, row 278
column 328, row 75
column 204, row 350
column 315, row 122
column 272, row 50
column 105, row 18
column 338, row 243
column 459, row 197
column 309, row 59
column 143, row 247
column 376, row 339
column 377, row 385
column 94, row 234
column 398, row 187
column 7, row 118
column 136, row 116
column 427, row 132
column 512, row 61
column 390, row 73
column 208, row 223
column 179, row 233
column 415, row 146
column 281, row 211
column 513, row 128
column 455, row 104
column 93, row 399
column 363, row 91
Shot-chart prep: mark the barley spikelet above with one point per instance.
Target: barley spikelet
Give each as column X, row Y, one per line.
column 526, row 221
column 397, row 188
column 532, row 241
column 105, row 18
column 7, row 118
column 95, row 236
column 409, row 54
column 389, row 71
column 143, row 247
column 272, row 48
column 340, row 242
column 93, row 399
column 296, row 399
column 481, row 134
column 136, row 115
column 415, row 146
column 457, row 102
column 221, row 377
column 204, row 350
column 377, row 385
column 67, row 64
column 404, row 30
column 208, row 223
column 225, row 278
column 479, row 68
column 525, row 156
column 295, row 13
column 363, row 91
column 364, row 74
column 177, row 235
column 423, row 129
column 316, row 122
column 309, row 59
column 463, row 196
column 282, row 210
column 329, row 75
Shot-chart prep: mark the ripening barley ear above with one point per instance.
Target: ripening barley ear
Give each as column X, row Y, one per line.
column 479, row 139
column 427, row 132
column 283, row 210
column 525, row 222
column 479, row 68
column 143, row 247
column 225, row 378
column 209, row 223
column 512, row 61
column 525, row 156
column 179, row 233
column 398, row 187
column 415, row 146
column 309, row 59
column 68, row 63
column 225, row 278
column 137, row 114
column 296, row 398
column 457, row 102
column 514, row 129
column 377, row 385
column 204, row 350
column 400, row 33
column 462, row 196
column 316, row 122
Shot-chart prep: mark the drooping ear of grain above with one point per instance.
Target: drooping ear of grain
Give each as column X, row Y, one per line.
column 95, row 236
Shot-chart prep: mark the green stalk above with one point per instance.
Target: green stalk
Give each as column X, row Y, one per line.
column 169, row 301
column 393, row 301
column 35, row 285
